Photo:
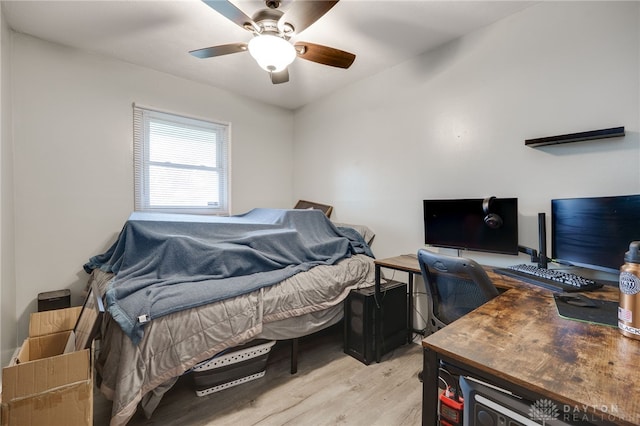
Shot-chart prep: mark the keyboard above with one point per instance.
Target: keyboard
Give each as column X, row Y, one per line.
column 551, row 279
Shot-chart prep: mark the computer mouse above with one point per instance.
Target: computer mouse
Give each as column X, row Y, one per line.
column 577, row 300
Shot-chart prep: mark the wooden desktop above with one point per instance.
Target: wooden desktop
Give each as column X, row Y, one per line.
column 518, row 342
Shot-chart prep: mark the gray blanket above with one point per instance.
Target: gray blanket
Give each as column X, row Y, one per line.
column 167, row 263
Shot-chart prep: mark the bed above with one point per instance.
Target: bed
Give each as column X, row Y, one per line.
column 138, row 365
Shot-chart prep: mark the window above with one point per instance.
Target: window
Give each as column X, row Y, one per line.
column 181, row 163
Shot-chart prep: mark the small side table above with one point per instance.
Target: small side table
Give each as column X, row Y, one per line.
column 405, row 263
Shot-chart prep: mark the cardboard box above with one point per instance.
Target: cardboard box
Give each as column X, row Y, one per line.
column 43, row 385
column 55, row 321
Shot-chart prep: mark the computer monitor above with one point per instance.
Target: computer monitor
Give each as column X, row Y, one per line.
column 469, row 224
column 594, row 232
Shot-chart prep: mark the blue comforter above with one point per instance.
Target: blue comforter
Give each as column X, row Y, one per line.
column 166, row 263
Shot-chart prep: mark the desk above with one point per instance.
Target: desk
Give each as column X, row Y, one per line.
column 405, row 263
column 518, row 342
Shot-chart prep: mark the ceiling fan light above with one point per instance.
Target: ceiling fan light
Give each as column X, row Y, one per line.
column 272, row 53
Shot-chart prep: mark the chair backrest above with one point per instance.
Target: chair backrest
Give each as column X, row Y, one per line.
column 455, row 286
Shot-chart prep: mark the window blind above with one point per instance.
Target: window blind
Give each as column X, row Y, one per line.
column 181, row 164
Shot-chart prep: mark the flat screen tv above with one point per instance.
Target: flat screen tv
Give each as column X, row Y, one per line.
column 594, row 232
column 463, row 224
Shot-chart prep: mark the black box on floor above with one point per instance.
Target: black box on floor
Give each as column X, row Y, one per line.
column 51, row 300
column 360, row 315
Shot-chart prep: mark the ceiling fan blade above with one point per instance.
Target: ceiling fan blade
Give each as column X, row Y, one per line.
column 302, row 14
column 280, row 77
column 224, row 49
column 324, row 55
column 232, row 13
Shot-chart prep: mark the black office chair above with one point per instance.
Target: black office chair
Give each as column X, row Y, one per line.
column 455, row 286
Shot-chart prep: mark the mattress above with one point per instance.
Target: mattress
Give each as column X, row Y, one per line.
column 129, row 374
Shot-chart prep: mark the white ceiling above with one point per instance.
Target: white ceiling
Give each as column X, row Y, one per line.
column 158, row 34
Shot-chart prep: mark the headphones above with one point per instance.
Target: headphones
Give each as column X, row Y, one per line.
column 492, row 220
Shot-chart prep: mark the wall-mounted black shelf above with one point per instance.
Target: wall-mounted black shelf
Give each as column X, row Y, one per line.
column 576, row 137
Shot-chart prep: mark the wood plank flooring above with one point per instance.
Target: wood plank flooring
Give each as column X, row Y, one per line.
column 330, row 388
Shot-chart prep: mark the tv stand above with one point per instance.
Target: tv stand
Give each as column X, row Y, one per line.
column 541, row 257
column 541, row 260
column 530, row 251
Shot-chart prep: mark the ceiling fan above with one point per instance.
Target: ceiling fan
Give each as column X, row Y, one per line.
column 272, row 30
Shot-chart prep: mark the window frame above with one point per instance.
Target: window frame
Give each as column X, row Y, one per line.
column 142, row 117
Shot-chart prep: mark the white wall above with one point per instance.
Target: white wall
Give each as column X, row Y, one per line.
column 7, row 265
column 72, row 121
column 452, row 123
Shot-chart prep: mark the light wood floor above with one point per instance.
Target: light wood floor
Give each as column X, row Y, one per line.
column 330, row 388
